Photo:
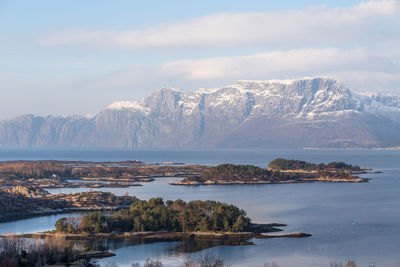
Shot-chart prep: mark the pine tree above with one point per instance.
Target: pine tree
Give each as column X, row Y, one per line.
column 204, row 224
column 239, row 224
column 97, row 228
column 226, row 225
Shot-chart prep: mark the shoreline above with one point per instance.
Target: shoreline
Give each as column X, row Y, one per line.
column 24, row 215
column 300, row 181
column 222, row 238
column 123, row 175
column 162, row 236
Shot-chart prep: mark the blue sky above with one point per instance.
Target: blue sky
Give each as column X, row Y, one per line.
column 65, row 57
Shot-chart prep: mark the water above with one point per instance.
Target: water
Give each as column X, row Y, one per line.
column 348, row 221
column 33, row 225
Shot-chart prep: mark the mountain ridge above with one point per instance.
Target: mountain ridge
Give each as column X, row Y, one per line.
column 296, row 113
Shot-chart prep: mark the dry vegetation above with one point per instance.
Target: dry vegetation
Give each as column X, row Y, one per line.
column 78, row 169
column 16, row 206
column 16, row 252
column 280, row 171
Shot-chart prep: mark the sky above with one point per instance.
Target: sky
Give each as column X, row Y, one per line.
column 77, row 57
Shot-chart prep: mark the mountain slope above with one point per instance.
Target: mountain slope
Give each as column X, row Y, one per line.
column 308, row 112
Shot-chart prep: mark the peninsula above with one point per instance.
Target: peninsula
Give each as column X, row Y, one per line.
column 280, row 171
column 212, row 222
column 73, row 174
column 24, row 201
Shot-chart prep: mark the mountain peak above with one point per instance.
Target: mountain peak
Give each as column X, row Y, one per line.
column 286, row 81
column 122, row 105
column 303, row 112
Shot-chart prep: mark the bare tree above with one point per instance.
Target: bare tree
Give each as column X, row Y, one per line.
column 336, row 264
column 351, row 263
column 151, row 263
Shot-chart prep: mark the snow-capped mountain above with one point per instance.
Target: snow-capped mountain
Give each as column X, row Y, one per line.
column 307, row 112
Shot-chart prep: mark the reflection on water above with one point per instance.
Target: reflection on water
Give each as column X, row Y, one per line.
column 35, row 224
column 348, row 221
column 178, row 245
column 172, row 253
column 159, row 184
column 88, row 181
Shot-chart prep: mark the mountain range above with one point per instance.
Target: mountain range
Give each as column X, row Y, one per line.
column 311, row 112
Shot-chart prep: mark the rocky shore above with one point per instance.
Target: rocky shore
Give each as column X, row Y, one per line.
column 24, row 202
column 232, row 182
column 73, row 174
column 279, row 171
column 168, row 236
column 353, row 179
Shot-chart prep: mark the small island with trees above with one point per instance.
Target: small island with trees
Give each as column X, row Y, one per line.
column 157, row 219
column 159, row 215
column 280, row 171
column 208, row 223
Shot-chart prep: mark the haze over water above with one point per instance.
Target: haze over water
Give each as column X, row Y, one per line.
column 348, row 221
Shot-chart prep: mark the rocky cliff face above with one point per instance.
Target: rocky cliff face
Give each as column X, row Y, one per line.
column 308, row 112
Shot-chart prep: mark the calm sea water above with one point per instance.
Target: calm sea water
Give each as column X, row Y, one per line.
column 347, row 221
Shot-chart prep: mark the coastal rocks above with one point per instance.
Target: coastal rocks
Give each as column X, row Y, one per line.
column 298, row 235
column 18, row 206
column 225, row 174
column 94, row 200
column 27, row 191
column 74, row 174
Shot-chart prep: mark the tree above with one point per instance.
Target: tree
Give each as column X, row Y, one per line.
column 204, row 224
column 156, row 215
column 97, row 228
column 226, row 225
column 238, row 226
column 61, row 225
column 70, row 228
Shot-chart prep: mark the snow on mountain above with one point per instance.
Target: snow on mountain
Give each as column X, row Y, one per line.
column 306, row 112
column 385, row 105
column 295, row 98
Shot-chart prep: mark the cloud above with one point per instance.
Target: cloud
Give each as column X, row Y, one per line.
column 357, row 45
column 359, row 69
column 278, row 63
column 373, row 21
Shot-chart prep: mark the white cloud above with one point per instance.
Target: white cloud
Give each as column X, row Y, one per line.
column 359, row 69
column 373, row 21
column 358, row 45
column 278, row 63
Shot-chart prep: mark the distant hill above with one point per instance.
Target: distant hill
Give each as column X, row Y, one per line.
column 307, row 112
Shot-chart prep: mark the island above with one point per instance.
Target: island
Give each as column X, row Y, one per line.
column 280, row 171
column 158, row 220
column 74, row 174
